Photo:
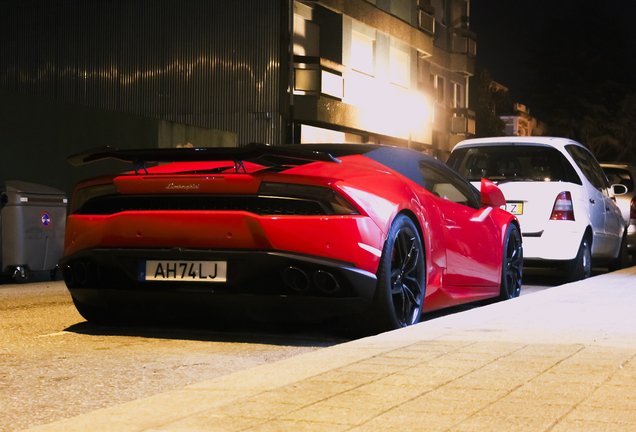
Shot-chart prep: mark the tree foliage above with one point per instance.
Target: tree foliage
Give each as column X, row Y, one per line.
column 582, row 86
column 490, row 101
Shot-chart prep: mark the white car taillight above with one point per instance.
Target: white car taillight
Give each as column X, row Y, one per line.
column 632, row 209
column 563, row 208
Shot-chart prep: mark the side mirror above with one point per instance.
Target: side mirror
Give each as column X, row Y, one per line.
column 619, row 189
column 491, row 195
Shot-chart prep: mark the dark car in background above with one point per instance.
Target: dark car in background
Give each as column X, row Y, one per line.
column 625, row 174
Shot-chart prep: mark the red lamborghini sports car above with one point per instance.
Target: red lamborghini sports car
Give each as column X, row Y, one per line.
column 372, row 233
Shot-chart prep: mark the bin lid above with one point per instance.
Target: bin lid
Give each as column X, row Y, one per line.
column 17, row 186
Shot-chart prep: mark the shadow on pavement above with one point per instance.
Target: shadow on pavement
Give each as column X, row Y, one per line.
column 289, row 333
column 269, row 333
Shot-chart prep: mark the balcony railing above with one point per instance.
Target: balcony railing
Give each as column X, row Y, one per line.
column 462, row 121
column 315, row 76
column 426, row 16
column 464, row 42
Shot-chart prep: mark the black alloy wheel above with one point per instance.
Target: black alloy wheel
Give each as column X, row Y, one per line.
column 580, row 267
column 401, row 279
column 622, row 260
column 512, row 266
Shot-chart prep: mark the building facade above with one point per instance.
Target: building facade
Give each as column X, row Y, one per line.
column 272, row 71
column 521, row 123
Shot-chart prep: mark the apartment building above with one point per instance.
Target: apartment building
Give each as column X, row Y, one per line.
column 521, row 123
column 273, row 71
column 385, row 71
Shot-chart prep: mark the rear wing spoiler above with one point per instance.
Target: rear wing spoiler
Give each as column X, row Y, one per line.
column 254, row 152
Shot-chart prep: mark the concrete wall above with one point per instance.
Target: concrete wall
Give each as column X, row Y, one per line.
column 172, row 135
column 37, row 135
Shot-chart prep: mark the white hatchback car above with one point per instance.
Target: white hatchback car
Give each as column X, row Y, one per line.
column 559, row 193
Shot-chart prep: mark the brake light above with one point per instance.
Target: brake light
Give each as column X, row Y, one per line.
column 563, row 208
column 333, row 202
column 88, row 193
column 632, row 209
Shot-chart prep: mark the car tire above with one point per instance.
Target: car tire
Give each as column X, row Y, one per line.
column 22, row 275
column 399, row 295
column 512, row 265
column 95, row 314
column 622, row 260
column 55, row 274
column 580, row 267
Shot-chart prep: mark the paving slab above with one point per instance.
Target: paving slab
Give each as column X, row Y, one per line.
column 562, row 359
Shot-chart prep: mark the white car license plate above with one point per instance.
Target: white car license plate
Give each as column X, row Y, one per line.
column 187, row 271
column 516, row 208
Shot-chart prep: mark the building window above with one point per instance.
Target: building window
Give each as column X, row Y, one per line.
column 439, row 11
column 306, row 33
column 401, row 9
column 457, row 16
column 363, row 53
column 400, row 64
column 458, row 96
column 437, row 84
column 422, row 74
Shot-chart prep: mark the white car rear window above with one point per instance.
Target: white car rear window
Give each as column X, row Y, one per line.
column 501, row 163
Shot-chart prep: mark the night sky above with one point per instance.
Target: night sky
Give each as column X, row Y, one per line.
column 508, row 29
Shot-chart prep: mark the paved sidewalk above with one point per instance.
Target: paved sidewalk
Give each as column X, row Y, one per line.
column 563, row 359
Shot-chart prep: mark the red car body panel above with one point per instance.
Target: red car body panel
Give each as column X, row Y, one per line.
column 334, row 237
column 463, row 245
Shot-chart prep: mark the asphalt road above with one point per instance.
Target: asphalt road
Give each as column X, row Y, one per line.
column 54, row 365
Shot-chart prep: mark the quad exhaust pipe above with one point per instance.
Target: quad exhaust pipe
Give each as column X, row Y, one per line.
column 78, row 273
column 326, row 282
column 298, row 280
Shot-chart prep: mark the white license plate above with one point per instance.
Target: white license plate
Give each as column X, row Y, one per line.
column 187, row 271
column 516, row 208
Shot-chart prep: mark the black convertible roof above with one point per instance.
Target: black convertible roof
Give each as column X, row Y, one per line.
column 404, row 161
column 400, row 159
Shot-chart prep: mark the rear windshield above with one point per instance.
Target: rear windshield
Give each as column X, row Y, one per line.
column 619, row 176
column 513, row 163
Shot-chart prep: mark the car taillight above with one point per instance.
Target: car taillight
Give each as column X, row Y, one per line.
column 563, row 208
column 88, row 193
column 332, row 202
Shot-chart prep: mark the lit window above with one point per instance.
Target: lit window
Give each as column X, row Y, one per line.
column 363, row 53
column 437, row 82
column 400, row 66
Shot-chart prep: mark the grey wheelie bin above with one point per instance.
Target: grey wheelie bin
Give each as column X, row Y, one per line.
column 32, row 224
